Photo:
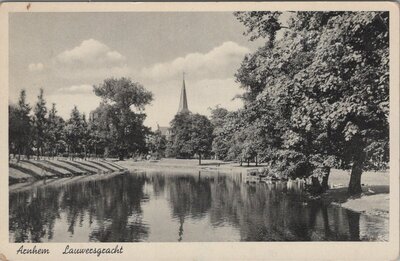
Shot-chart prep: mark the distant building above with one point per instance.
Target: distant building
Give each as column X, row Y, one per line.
column 183, row 108
column 165, row 131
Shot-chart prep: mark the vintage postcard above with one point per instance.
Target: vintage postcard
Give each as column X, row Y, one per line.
column 199, row 131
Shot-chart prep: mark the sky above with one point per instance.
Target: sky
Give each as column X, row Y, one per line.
column 67, row 53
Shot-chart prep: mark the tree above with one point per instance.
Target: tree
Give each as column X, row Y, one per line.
column 220, row 143
column 74, row 132
column 328, row 78
column 124, row 126
column 191, row 134
column 156, row 143
column 40, row 123
column 13, row 128
column 97, row 138
column 201, row 135
column 55, row 132
column 178, row 145
column 85, row 135
column 20, row 126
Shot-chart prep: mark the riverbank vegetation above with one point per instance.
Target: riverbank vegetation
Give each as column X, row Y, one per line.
column 315, row 99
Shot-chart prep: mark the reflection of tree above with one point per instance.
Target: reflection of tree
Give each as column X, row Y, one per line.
column 158, row 182
column 354, row 225
column 189, row 195
column 33, row 214
column 270, row 212
column 114, row 203
column 112, row 208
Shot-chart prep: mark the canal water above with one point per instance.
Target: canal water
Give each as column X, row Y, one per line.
column 167, row 207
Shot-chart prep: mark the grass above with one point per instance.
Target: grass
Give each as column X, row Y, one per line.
column 27, row 170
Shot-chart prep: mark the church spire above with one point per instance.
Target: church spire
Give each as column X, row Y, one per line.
column 183, row 106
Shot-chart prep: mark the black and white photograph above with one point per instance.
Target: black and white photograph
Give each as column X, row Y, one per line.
column 255, row 125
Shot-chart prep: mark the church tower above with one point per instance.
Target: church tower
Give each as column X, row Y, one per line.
column 183, row 106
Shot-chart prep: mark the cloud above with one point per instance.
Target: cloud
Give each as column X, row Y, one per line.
column 35, row 67
column 220, row 62
column 91, row 61
column 76, row 89
column 91, row 52
column 66, row 102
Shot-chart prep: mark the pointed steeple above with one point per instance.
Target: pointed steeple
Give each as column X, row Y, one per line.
column 183, row 106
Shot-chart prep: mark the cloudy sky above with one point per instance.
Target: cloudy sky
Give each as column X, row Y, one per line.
column 66, row 53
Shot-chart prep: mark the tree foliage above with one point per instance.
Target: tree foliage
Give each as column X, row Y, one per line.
column 40, row 123
column 20, row 126
column 55, row 132
column 123, row 125
column 157, row 144
column 327, row 79
column 113, row 129
column 191, row 135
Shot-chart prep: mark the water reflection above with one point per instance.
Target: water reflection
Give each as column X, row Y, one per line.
column 176, row 207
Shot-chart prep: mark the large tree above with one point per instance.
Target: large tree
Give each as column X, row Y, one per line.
column 201, row 135
column 20, row 126
column 178, row 144
column 328, row 75
column 97, row 133
column 122, row 112
column 191, row 134
column 220, row 143
column 40, row 123
column 74, row 132
column 55, row 132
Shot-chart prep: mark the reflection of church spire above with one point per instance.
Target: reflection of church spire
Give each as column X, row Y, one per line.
column 183, row 106
column 181, row 221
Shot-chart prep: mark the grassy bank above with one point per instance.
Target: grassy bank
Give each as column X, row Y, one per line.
column 33, row 170
column 373, row 201
column 187, row 165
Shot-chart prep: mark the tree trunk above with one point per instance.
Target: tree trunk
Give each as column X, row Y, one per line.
column 248, row 163
column 37, row 152
column 355, row 178
column 316, row 186
column 19, row 155
column 27, row 153
column 199, row 158
column 256, row 160
column 325, row 178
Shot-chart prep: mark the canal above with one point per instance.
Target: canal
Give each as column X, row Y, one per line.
column 170, row 207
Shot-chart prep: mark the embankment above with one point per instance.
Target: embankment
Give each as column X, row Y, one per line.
column 33, row 170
